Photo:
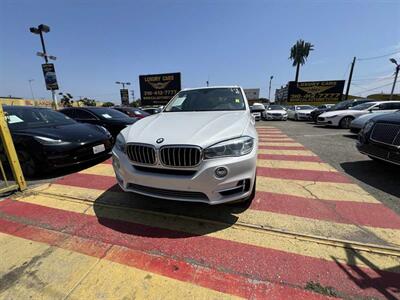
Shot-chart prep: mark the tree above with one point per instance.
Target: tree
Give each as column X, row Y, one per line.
column 88, row 102
column 299, row 53
column 66, row 100
column 108, row 104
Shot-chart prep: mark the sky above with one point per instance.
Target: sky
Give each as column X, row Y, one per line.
column 99, row 42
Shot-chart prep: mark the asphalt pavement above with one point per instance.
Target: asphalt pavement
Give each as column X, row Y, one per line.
column 337, row 147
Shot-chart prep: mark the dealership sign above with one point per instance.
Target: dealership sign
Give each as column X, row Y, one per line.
column 50, row 78
column 124, row 96
column 158, row 89
column 315, row 91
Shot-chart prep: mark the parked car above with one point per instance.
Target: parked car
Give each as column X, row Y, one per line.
column 358, row 123
column 201, row 148
column 132, row 112
column 152, row 110
column 275, row 112
column 109, row 118
column 300, row 112
column 45, row 139
column 346, row 104
column 343, row 118
column 380, row 138
column 257, row 110
column 319, row 110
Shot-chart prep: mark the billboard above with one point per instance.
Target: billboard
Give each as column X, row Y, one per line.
column 158, row 89
column 124, row 96
column 50, row 78
column 315, row 91
column 252, row 94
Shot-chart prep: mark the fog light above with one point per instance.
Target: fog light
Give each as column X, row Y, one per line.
column 221, row 172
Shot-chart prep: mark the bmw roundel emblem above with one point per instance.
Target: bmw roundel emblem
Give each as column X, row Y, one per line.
column 159, row 141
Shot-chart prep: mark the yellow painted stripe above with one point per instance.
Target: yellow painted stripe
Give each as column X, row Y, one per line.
column 279, row 139
column 60, row 273
column 298, row 165
column 286, row 152
column 262, row 135
column 100, row 169
column 234, row 233
column 280, row 144
column 315, row 190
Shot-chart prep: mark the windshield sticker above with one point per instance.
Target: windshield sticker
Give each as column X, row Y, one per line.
column 14, row 119
column 236, row 91
column 237, row 100
column 107, row 116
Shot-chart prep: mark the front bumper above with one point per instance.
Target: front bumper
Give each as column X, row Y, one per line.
column 272, row 117
column 304, row 117
column 381, row 152
column 202, row 186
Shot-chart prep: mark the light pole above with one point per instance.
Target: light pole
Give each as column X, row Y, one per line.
column 395, row 76
column 269, row 90
column 123, row 83
column 30, row 85
column 39, row 30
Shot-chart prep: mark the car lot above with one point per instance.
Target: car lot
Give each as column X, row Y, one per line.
column 309, row 228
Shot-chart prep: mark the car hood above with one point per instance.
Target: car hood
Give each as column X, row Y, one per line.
column 393, row 118
column 365, row 118
column 79, row 132
column 194, row 128
column 278, row 111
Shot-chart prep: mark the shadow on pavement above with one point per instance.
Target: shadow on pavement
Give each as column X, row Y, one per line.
column 386, row 282
column 380, row 175
column 351, row 136
column 139, row 215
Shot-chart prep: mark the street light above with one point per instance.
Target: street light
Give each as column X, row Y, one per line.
column 30, row 85
column 269, row 90
column 123, row 83
column 39, row 30
column 395, row 76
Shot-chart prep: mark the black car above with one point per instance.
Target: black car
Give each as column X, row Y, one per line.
column 133, row 112
column 339, row 106
column 380, row 138
column 45, row 139
column 109, row 118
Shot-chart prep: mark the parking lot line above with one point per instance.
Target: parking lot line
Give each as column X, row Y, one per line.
column 285, row 140
column 290, row 147
column 291, row 158
column 300, row 165
column 104, row 169
column 294, row 144
column 251, row 253
column 286, row 152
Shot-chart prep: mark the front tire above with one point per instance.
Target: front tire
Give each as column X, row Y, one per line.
column 345, row 122
column 27, row 163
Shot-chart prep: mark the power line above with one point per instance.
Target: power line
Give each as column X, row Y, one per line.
column 377, row 57
column 378, row 87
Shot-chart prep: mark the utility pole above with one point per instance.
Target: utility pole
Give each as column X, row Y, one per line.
column 30, row 85
column 269, row 90
column 350, row 77
column 395, row 76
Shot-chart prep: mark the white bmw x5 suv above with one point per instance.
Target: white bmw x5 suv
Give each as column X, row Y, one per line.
column 201, row 148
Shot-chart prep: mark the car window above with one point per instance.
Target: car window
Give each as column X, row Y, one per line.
column 303, row 107
column 212, row 99
column 84, row 115
column 108, row 113
column 395, row 105
column 363, row 106
column 275, row 107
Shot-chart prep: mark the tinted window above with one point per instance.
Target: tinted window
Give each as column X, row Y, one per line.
column 22, row 118
column 213, row 99
column 108, row 113
column 275, row 107
column 363, row 106
column 302, row 107
column 395, row 105
column 84, row 115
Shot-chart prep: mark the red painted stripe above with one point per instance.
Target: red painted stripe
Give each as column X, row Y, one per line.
column 289, row 157
column 277, row 136
column 271, row 132
column 256, row 262
column 286, row 140
column 91, row 181
column 363, row 214
column 311, row 175
column 232, row 284
column 282, row 147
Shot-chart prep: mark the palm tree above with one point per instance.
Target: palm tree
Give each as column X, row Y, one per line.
column 299, row 53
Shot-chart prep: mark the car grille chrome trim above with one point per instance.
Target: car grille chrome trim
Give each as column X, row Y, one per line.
column 141, row 153
column 386, row 133
column 180, row 155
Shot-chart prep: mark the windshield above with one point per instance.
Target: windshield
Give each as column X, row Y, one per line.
column 108, row 113
column 213, row 99
column 275, row 107
column 23, row 118
column 363, row 106
column 342, row 105
column 303, row 107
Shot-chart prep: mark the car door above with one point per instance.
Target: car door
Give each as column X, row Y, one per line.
column 84, row 116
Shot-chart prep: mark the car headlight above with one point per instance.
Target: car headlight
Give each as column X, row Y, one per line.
column 49, row 141
column 104, row 130
column 235, row 147
column 368, row 126
column 120, row 143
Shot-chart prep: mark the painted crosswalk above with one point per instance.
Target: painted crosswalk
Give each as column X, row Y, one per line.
column 307, row 224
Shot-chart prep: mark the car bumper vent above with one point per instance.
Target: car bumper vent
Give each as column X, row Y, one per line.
column 143, row 154
column 180, row 156
column 386, row 133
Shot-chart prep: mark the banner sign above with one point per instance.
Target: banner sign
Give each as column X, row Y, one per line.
column 158, row 89
column 316, row 91
column 50, row 76
column 124, row 96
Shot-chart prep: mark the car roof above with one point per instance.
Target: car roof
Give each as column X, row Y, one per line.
column 213, row 87
column 23, row 107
